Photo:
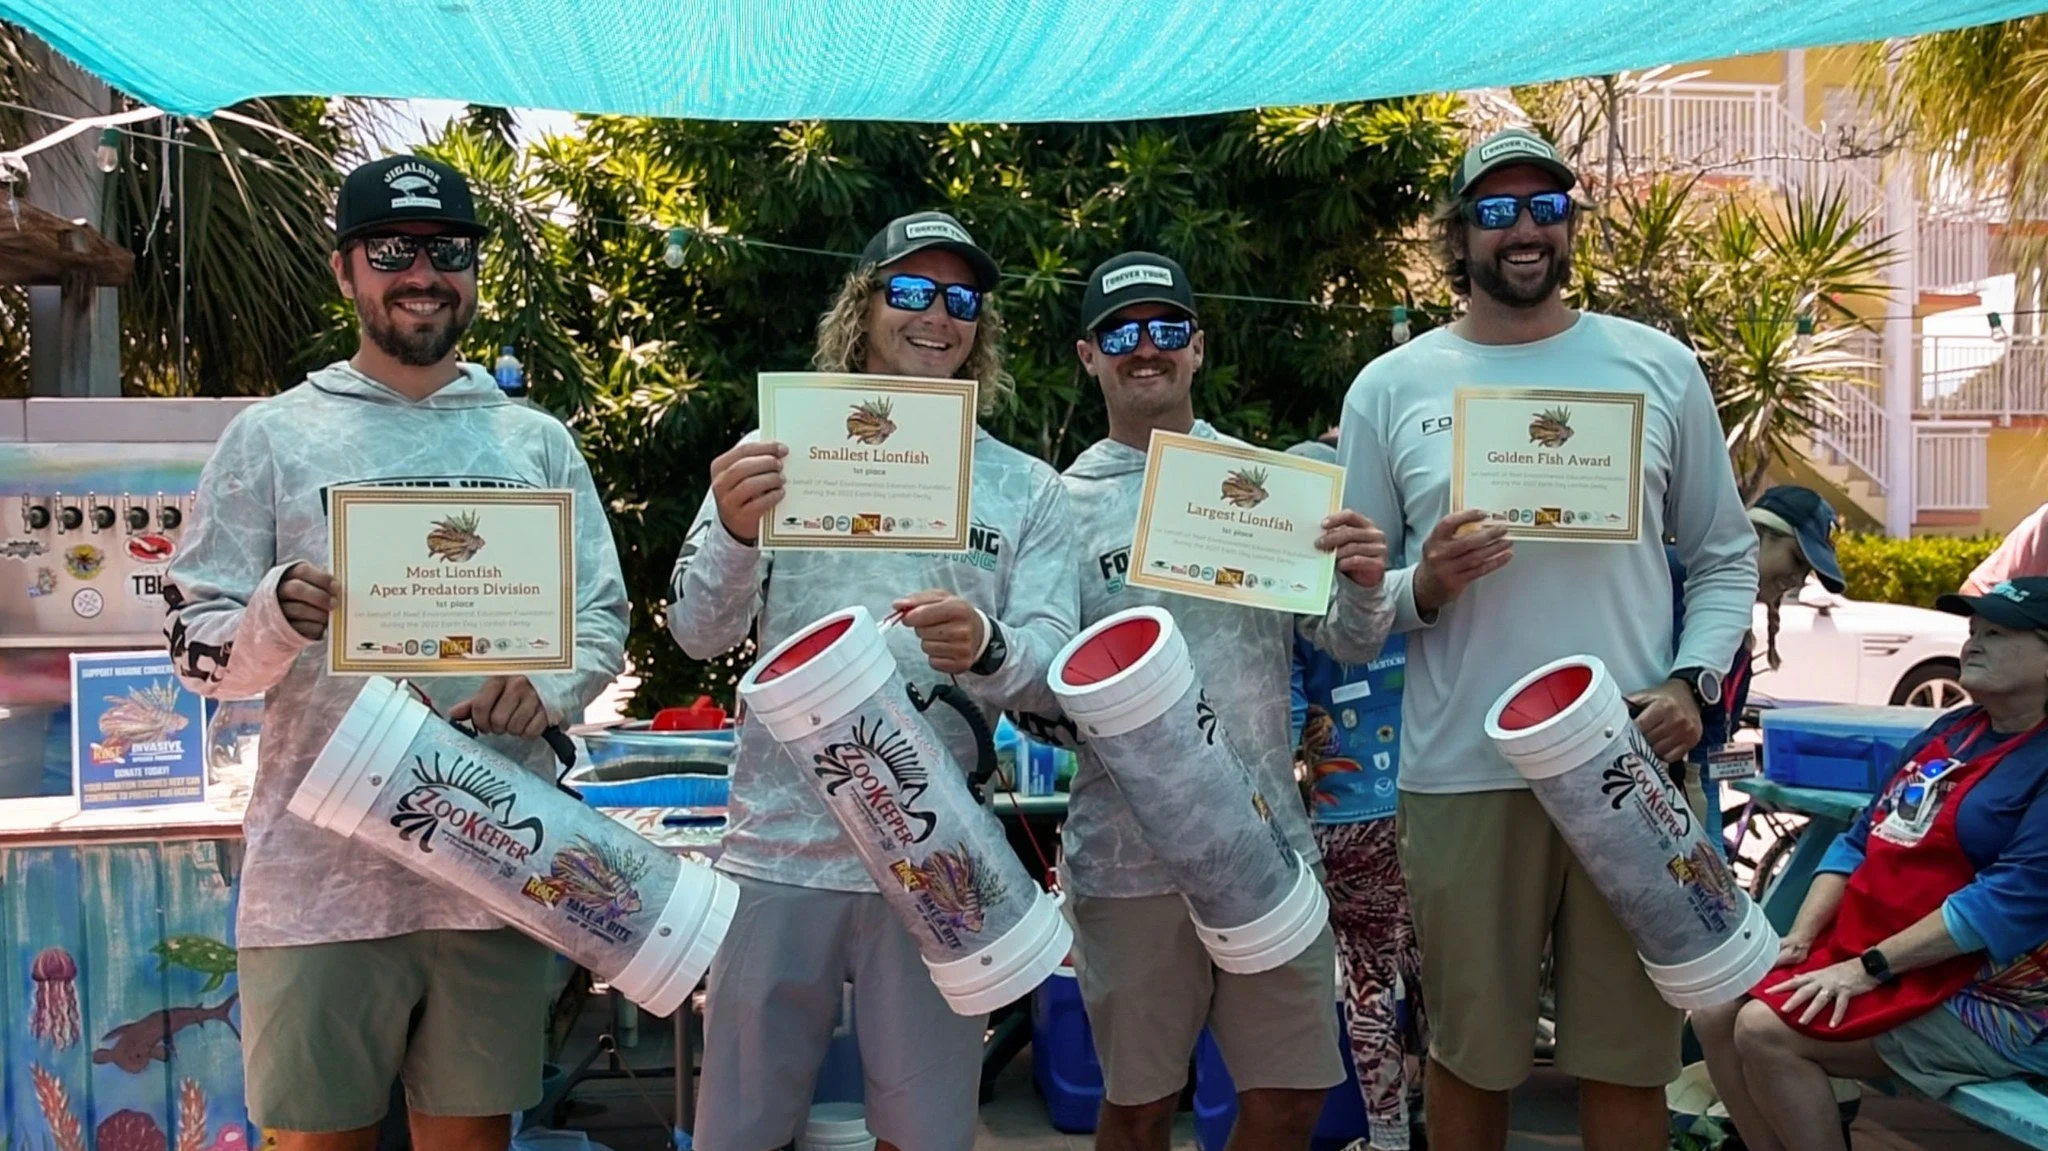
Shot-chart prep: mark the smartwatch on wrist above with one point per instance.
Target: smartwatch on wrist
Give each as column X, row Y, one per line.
column 1876, row 966
column 993, row 653
column 1705, row 685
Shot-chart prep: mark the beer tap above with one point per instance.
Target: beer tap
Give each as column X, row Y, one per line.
column 169, row 516
column 34, row 516
column 102, row 515
column 69, row 518
column 135, row 515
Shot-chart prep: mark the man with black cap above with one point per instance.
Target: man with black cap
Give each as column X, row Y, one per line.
column 1490, row 881
column 1147, row 981
column 991, row 619
column 353, row 972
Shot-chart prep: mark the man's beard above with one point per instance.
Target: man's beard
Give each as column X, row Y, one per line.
column 1489, row 276
column 416, row 347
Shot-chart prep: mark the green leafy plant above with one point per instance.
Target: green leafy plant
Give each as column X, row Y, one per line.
column 1908, row 571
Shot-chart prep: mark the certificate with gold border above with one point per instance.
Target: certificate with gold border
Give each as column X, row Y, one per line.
column 883, row 462
column 1551, row 464
column 1235, row 523
column 448, row 581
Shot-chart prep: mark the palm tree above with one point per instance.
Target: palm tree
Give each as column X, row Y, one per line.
column 229, row 222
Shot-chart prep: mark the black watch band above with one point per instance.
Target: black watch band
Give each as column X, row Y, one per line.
column 1705, row 685
column 1877, row 966
column 993, row 653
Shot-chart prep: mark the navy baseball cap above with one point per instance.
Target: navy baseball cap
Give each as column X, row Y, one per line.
column 1800, row 512
column 1134, row 278
column 920, row 230
column 2021, row 602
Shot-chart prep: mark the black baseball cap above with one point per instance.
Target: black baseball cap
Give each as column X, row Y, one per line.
column 404, row 190
column 1134, row 278
column 1802, row 514
column 2021, row 602
column 1510, row 148
column 921, row 230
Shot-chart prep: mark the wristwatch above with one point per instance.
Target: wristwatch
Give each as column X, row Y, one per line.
column 1705, row 685
column 993, row 653
column 1876, row 966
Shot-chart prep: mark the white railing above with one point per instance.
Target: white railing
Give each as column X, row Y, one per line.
column 1955, row 251
column 1951, row 466
column 1983, row 376
column 1854, row 431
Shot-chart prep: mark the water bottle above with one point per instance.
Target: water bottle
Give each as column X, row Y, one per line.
column 511, row 376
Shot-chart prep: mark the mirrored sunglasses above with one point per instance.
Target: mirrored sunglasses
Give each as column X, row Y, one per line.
column 1167, row 336
column 397, row 253
column 916, row 293
column 1498, row 213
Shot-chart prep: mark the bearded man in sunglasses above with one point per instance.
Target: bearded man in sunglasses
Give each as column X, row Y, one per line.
column 1148, row 983
column 1490, row 880
column 991, row 619
column 353, row 972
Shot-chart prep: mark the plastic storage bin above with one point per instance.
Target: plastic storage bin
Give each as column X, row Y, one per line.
column 1342, row 1122
column 1847, row 747
column 635, row 767
column 1063, row 1054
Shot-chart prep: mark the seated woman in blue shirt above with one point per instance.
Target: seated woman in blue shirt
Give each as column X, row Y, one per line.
column 1919, row 951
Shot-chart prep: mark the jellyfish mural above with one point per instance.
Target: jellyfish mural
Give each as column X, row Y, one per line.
column 55, row 1017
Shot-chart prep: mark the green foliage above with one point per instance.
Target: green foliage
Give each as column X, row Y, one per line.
column 654, row 367
column 1908, row 571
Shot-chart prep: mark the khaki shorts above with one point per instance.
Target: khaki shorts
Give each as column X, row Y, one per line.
column 460, row 1016
column 1149, row 987
column 1938, row 1053
column 1491, row 882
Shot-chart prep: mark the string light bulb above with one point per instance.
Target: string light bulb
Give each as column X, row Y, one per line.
column 1802, row 336
column 673, row 254
column 1401, row 331
column 108, row 155
column 1998, row 331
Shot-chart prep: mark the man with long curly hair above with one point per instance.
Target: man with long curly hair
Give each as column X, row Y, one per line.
column 991, row 618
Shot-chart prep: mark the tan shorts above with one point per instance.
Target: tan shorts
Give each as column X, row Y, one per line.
column 1149, row 987
column 1491, row 882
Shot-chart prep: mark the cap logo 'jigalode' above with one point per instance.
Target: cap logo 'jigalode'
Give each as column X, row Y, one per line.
column 1510, row 145
column 1137, row 274
column 924, row 229
column 414, row 186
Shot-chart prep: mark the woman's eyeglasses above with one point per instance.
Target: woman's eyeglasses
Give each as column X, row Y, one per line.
column 1499, row 213
column 916, row 293
column 390, row 254
column 1167, row 336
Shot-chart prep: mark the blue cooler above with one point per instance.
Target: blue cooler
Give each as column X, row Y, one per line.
column 1847, row 747
column 1342, row 1122
column 631, row 766
column 1063, row 1054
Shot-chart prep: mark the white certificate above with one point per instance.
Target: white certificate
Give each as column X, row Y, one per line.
column 1551, row 465
column 874, row 461
column 435, row 581
column 1234, row 523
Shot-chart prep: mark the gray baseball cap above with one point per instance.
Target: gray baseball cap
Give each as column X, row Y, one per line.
column 1507, row 149
column 920, row 230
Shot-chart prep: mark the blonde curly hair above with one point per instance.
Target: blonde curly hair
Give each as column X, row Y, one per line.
column 843, row 338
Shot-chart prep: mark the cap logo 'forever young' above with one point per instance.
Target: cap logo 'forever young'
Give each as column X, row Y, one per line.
column 414, row 186
column 924, row 229
column 1510, row 145
column 1137, row 274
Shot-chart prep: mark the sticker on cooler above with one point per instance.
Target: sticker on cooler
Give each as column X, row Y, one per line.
column 1735, row 761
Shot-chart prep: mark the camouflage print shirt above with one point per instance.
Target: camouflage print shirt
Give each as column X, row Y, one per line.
column 1017, row 569
column 263, row 507
column 1242, row 656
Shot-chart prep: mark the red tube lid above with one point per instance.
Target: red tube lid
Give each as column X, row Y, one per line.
column 805, row 650
column 1109, row 651
column 1546, row 698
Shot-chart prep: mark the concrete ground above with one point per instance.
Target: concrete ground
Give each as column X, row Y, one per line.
column 627, row 1115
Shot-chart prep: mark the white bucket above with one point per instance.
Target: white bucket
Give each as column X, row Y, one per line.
column 1565, row 728
column 1130, row 688
column 397, row 778
column 1275, row 938
column 832, row 697
column 836, row 1127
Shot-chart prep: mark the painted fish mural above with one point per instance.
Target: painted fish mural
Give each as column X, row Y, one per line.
column 197, row 953
column 132, row 1046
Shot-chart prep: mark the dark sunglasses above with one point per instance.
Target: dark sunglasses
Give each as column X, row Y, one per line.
column 1499, row 213
column 1167, row 336
column 390, row 254
column 916, row 293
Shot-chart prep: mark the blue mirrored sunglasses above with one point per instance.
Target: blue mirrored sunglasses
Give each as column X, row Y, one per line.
column 916, row 293
column 1498, row 213
column 1167, row 336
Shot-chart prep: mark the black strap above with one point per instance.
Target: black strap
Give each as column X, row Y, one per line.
column 953, row 696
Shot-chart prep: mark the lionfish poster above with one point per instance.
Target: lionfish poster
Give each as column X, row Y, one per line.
column 138, row 738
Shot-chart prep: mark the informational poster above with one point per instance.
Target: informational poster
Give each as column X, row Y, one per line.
column 138, row 738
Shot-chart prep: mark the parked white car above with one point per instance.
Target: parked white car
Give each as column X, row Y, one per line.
column 1833, row 649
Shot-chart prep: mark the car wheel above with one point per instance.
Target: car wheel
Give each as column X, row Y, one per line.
column 1936, row 683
